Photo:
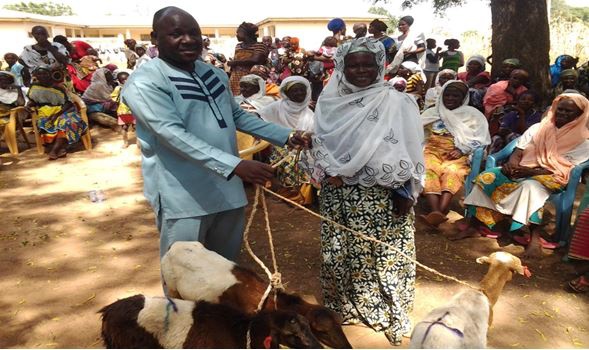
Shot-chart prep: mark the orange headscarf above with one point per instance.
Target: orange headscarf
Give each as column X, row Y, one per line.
column 294, row 43
column 549, row 144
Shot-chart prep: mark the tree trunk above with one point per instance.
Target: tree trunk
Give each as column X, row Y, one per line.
column 520, row 30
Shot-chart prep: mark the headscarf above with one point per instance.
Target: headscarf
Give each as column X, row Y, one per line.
column 8, row 97
column 335, row 25
column 550, row 144
column 367, row 135
column 294, row 43
column 431, row 96
column 556, row 69
column 467, row 124
column 258, row 100
column 480, row 59
column 408, row 19
column 569, row 73
column 496, row 96
column 290, row 114
column 414, row 68
column 99, row 89
column 249, row 28
column 516, row 63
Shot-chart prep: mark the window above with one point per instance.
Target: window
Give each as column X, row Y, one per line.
column 68, row 32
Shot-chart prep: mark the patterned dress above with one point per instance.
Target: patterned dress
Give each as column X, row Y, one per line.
column 244, row 52
column 363, row 281
column 50, row 101
column 443, row 174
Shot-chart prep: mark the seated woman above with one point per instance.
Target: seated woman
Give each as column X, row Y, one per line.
column 431, row 96
column 507, row 66
column 562, row 63
column 252, row 95
column 477, row 79
column 540, row 165
column 516, row 122
column 501, row 95
column 58, row 121
column 252, row 98
column 569, row 80
column 11, row 95
column 456, row 131
column 97, row 96
column 415, row 77
column 292, row 112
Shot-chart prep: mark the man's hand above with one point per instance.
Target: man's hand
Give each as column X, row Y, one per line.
column 254, row 172
column 300, row 139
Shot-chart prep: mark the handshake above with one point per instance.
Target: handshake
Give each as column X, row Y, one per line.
column 260, row 173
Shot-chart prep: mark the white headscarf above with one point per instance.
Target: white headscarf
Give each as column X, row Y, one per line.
column 258, row 100
column 414, row 68
column 431, row 96
column 8, row 97
column 467, row 124
column 99, row 89
column 290, row 114
column 368, row 136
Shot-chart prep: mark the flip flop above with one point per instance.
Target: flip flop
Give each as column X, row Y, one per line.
column 435, row 218
column 487, row 232
column 525, row 240
column 579, row 285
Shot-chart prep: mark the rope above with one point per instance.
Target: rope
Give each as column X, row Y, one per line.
column 248, row 336
column 274, row 278
column 368, row 238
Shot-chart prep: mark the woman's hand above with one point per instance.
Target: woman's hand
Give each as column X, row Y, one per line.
column 401, row 205
column 335, row 181
column 300, row 139
column 455, row 154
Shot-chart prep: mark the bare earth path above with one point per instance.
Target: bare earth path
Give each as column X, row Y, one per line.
column 64, row 257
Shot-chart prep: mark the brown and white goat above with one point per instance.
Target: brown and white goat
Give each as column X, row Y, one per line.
column 464, row 322
column 192, row 272
column 156, row 323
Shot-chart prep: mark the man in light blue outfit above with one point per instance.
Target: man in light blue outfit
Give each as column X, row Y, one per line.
column 186, row 124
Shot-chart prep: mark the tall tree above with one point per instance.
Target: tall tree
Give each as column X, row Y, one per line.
column 48, row 8
column 520, row 29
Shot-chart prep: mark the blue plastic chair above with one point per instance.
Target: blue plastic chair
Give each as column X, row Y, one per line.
column 563, row 201
column 475, row 169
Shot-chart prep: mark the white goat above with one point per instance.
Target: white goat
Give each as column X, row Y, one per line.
column 464, row 322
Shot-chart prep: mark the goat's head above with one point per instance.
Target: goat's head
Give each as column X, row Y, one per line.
column 291, row 330
column 327, row 327
column 506, row 260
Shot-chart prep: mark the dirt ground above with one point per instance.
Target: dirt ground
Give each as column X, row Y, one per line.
column 64, row 257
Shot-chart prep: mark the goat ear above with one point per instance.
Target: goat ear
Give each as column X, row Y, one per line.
column 483, row 260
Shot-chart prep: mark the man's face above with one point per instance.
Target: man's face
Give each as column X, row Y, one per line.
column 179, row 38
column 267, row 40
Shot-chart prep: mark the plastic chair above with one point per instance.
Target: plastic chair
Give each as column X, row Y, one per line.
column 475, row 169
column 563, row 201
column 81, row 108
column 10, row 130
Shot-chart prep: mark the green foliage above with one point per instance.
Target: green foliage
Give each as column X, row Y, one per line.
column 391, row 20
column 439, row 5
column 559, row 8
column 41, row 8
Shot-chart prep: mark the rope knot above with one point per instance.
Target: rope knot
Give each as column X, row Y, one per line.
column 276, row 281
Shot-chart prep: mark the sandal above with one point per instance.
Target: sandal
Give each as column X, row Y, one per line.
column 487, row 232
column 435, row 218
column 579, row 285
column 525, row 240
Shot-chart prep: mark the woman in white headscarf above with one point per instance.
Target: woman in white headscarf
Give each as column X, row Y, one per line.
column 415, row 77
column 367, row 155
column 97, row 95
column 431, row 96
column 292, row 111
column 456, row 131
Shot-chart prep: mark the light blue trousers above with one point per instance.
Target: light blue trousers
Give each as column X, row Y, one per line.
column 220, row 232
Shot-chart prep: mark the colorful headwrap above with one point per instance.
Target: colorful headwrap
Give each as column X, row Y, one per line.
column 336, row 24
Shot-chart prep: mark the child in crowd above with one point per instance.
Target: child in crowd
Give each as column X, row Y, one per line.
column 515, row 122
column 432, row 62
column 141, row 51
column 326, row 54
column 452, row 58
column 125, row 117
